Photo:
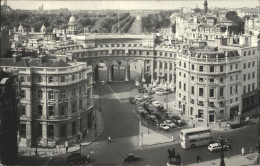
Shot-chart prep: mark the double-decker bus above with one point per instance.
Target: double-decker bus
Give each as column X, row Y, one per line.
column 194, row 137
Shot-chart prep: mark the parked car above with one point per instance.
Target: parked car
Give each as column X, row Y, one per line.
column 177, row 120
column 145, row 96
column 131, row 157
column 233, row 125
column 151, row 110
column 217, row 147
column 144, row 114
column 169, row 123
column 138, row 98
column 140, row 109
column 153, row 119
column 160, row 92
column 77, row 158
column 164, row 126
column 156, row 103
column 132, row 100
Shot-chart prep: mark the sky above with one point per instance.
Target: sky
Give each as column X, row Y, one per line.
column 127, row 4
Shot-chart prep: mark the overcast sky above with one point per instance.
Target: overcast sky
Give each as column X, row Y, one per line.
column 107, row 4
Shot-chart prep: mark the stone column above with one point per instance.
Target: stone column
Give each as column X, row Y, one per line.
column 158, row 71
column 163, row 69
column 126, row 73
column 152, row 71
column 143, row 71
column 109, row 70
column 44, row 132
column 168, row 72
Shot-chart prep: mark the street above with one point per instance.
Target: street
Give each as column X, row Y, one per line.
column 121, row 124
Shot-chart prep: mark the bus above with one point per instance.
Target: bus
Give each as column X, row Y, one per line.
column 194, row 137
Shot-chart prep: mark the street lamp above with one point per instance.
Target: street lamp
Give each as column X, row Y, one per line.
column 222, row 143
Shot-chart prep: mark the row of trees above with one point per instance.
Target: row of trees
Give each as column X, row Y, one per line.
column 96, row 22
column 154, row 22
column 236, row 20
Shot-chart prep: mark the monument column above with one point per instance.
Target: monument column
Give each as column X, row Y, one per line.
column 126, row 73
column 168, row 72
column 109, row 70
column 152, row 71
column 143, row 71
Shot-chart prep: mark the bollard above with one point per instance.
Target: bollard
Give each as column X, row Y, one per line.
column 172, row 138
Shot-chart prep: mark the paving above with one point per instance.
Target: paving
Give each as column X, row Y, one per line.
column 238, row 160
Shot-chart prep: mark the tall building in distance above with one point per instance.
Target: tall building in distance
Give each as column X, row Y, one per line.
column 8, row 119
column 40, row 9
column 205, row 7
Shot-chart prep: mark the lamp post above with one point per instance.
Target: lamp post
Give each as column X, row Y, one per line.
column 222, row 143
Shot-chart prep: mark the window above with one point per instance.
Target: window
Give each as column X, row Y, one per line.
column 253, row 75
column 236, row 89
column 192, row 77
column 249, row 52
column 160, row 63
column 249, row 76
column 192, row 67
column 22, row 109
column 221, row 68
column 221, row 79
column 184, row 75
column 179, row 73
column 231, row 78
column 39, row 130
column 170, row 66
column 249, row 88
column 244, row 89
column 192, row 90
column 179, row 84
column 201, row 68
column 39, row 94
column 22, row 130
column 231, row 100
column 200, row 91
column 221, row 92
column 231, row 90
column 79, row 75
column 192, row 101
column 73, row 107
column 62, row 109
column 62, row 94
column 22, row 79
column 245, row 53
column 80, row 103
column 22, row 94
column 62, row 79
column 73, row 92
column 244, row 77
column 236, row 66
column 39, row 78
column 73, row 77
column 51, row 110
column 184, row 86
column 211, row 93
column 231, row 67
column 211, row 68
column 165, row 65
column 249, row 64
column 73, row 128
column 51, row 131
column 253, row 64
column 51, row 79
column 253, row 86
column 180, row 63
column 191, row 110
column 211, row 80
column 51, row 95
column 200, row 79
column 39, row 110
column 63, row 131
column 236, row 77
column 244, row 65
column 253, row 52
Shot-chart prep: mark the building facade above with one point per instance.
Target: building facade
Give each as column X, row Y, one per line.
column 56, row 99
column 8, row 119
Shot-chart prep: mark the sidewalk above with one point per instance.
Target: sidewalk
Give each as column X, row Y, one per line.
column 238, row 160
column 48, row 152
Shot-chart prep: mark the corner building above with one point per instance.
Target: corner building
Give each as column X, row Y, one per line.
column 56, row 99
column 213, row 84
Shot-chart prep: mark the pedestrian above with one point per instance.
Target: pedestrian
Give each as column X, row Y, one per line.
column 193, row 125
column 198, row 158
column 173, row 152
column 66, row 146
column 36, row 152
column 243, row 151
column 219, row 123
column 109, row 139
